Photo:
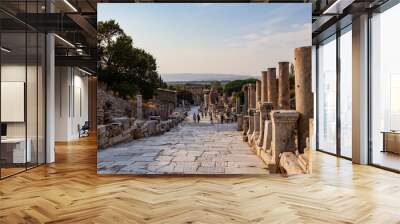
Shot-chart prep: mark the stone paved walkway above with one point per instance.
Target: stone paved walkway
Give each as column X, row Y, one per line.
column 190, row 148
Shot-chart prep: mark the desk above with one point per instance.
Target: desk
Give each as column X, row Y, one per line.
column 391, row 141
column 13, row 150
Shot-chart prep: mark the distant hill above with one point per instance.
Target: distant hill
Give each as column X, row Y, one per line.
column 198, row 77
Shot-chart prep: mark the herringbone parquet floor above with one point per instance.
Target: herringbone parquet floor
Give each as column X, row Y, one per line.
column 70, row 191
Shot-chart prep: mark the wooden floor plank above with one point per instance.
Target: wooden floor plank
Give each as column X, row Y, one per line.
column 70, row 191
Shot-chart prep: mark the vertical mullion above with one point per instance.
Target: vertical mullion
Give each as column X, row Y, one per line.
column 26, row 86
column 338, row 97
column 45, row 86
column 0, row 96
column 37, row 90
column 69, row 92
column 317, row 96
column 369, row 100
column 73, row 92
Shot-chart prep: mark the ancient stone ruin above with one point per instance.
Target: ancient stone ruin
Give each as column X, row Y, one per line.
column 279, row 135
column 276, row 130
column 221, row 107
column 121, row 120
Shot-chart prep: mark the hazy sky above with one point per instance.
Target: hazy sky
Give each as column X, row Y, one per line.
column 214, row 38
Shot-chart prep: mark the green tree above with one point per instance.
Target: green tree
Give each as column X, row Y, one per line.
column 124, row 68
column 236, row 85
column 107, row 32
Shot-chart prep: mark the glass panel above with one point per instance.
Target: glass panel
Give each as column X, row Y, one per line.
column 385, row 84
column 31, row 98
column 41, row 99
column 23, row 89
column 346, row 93
column 327, row 96
column 13, row 86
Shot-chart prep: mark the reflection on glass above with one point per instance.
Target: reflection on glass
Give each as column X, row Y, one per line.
column 385, row 84
column 327, row 96
column 14, row 153
column 31, row 101
column 346, row 93
column 41, row 98
column 22, row 89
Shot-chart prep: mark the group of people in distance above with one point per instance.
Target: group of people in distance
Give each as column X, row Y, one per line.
column 196, row 117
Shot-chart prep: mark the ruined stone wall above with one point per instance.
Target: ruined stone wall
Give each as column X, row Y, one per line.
column 127, row 129
column 118, row 119
column 109, row 105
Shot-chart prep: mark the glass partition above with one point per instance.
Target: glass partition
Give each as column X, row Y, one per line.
column 346, row 92
column 327, row 95
column 32, row 97
column 22, row 101
column 385, row 89
column 14, row 153
column 41, row 97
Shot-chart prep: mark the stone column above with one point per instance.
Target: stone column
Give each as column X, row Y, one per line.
column 246, row 99
column 205, row 100
column 256, row 132
column 245, row 127
column 265, row 109
column 238, row 105
column 240, row 122
column 272, row 88
column 284, row 124
column 264, row 89
column 277, row 91
column 284, row 86
column 252, row 96
column 252, row 107
column 139, row 107
column 258, row 93
column 304, row 95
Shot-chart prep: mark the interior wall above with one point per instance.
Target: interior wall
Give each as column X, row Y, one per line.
column 14, row 73
column 71, row 102
column 62, row 82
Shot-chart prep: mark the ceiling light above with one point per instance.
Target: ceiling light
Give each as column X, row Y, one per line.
column 337, row 7
column 5, row 50
column 64, row 40
column 70, row 5
column 79, row 51
column 86, row 72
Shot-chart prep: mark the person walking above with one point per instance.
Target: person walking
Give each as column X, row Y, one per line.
column 194, row 117
column 222, row 118
column 211, row 120
column 198, row 118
